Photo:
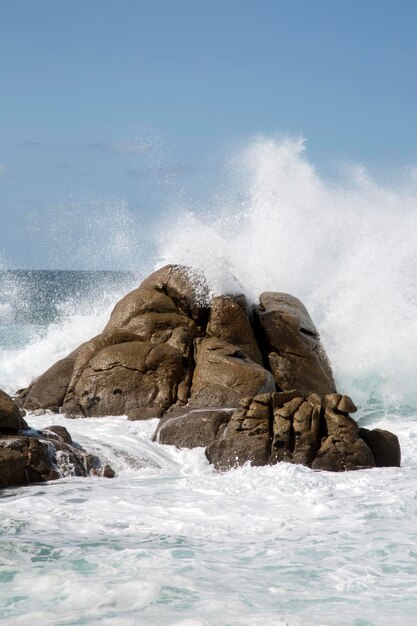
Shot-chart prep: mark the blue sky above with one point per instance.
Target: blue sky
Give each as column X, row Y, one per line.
column 131, row 102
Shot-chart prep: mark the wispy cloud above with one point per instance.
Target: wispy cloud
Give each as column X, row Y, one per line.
column 94, row 146
column 30, row 144
column 63, row 164
column 173, row 170
column 126, row 146
column 6, row 172
column 129, row 146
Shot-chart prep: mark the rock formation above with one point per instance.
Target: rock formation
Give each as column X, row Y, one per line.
column 248, row 384
column 31, row 456
column 282, row 426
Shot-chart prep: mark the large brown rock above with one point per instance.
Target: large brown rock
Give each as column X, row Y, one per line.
column 128, row 377
column 138, row 302
column 10, row 419
column 84, row 354
column 186, row 287
column 297, row 427
column 168, row 308
column 249, row 385
column 170, row 297
column 224, row 374
column 151, row 315
column 291, row 345
column 54, row 388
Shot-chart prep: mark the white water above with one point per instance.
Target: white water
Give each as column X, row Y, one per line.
column 171, row 541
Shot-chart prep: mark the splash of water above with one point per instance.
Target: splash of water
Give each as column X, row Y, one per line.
column 49, row 314
column 345, row 248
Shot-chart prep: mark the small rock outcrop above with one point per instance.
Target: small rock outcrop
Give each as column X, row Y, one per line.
column 384, row 445
column 282, row 427
column 247, row 383
column 32, row 456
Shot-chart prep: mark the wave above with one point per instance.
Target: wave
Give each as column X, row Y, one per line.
column 45, row 333
column 344, row 245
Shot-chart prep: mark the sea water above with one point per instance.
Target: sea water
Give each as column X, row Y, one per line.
column 170, row 540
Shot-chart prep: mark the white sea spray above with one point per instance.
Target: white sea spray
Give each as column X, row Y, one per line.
column 343, row 246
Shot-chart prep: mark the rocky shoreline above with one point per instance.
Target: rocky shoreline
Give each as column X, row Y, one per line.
column 250, row 384
column 30, row 456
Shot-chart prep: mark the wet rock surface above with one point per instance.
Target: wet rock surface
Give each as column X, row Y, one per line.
column 251, row 384
column 31, row 456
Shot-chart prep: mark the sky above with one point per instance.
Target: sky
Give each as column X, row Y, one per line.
column 117, row 108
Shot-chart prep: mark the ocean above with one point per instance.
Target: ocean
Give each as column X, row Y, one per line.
column 170, row 541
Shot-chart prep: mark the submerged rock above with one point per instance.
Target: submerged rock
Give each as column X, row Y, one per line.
column 32, row 456
column 249, row 384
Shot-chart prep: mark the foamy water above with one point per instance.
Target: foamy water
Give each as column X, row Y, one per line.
column 171, row 541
